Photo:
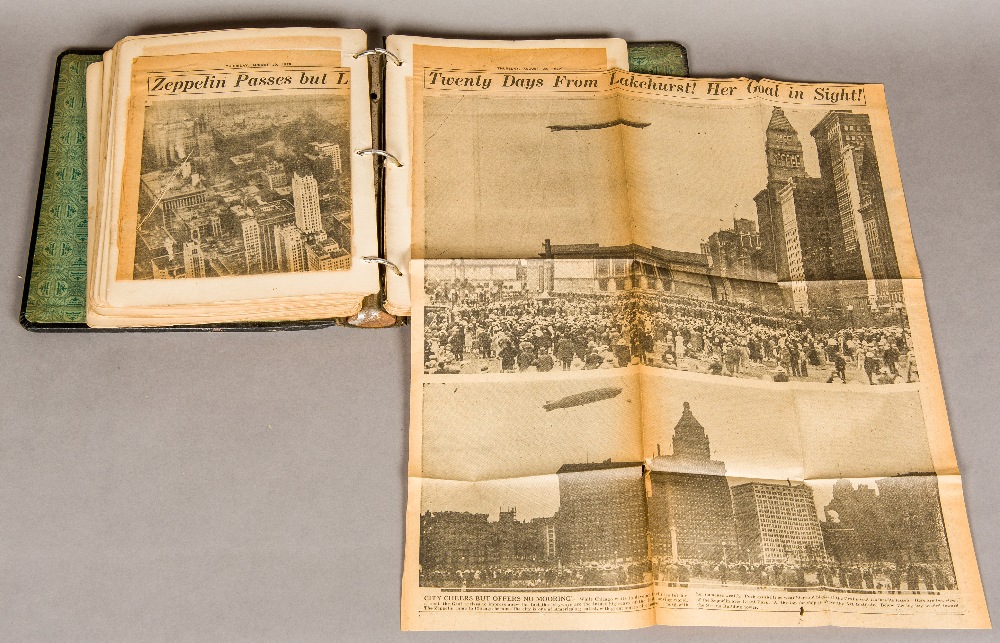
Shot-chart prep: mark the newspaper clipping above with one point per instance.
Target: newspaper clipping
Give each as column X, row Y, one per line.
column 244, row 166
column 671, row 361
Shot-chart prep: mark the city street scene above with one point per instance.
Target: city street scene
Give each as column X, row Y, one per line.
column 244, row 186
column 799, row 282
column 593, row 533
column 584, row 525
column 483, row 316
column 882, row 535
column 557, row 497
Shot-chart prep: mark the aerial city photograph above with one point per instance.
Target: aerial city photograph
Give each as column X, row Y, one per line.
column 244, row 186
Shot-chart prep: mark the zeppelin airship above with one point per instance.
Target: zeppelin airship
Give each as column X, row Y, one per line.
column 587, row 397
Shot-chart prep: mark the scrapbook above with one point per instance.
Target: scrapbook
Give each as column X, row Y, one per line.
column 671, row 361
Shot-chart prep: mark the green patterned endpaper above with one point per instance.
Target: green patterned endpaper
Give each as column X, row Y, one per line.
column 55, row 293
column 659, row 58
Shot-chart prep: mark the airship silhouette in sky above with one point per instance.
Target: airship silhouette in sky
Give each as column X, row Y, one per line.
column 587, row 397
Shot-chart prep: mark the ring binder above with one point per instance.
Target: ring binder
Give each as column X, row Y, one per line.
column 381, row 153
column 379, row 50
column 384, row 262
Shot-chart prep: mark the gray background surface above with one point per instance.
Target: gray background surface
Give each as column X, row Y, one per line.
column 250, row 486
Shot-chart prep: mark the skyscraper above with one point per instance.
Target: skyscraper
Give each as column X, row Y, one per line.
column 305, row 196
column 251, row 244
column 777, row 524
column 784, row 161
column 691, row 510
column 834, row 228
column 803, row 210
column 602, row 512
column 861, row 240
column 269, row 219
column 289, row 247
column 194, row 259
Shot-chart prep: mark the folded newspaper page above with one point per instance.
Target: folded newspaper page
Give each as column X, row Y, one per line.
column 671, row 361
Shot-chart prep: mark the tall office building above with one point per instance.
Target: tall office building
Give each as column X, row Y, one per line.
column 777, row 524
column 290, row 250
column 861, row 240
column 602, row 512
column 252, row 244
column 834, row 228
column 323, row 153
column 784, row 161
column 305, row 197
column 690, row 506
column 194, row 259
column 269, row 218
column 802, row 205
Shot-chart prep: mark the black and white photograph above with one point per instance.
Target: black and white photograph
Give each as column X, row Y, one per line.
column 490, row 316
column 608, row 311
column 860, row 512
column 244, row 185
column 738, row 484
column 869, row 536
column 478, row 430
column 582, row 527
column 497, row 178
column 547, row 491
column 775, row 261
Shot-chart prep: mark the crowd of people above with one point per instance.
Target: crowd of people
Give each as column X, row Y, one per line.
column 742, row 340
column 913, row 578
column 482, row 327
column 555, row 575
column 496, row 330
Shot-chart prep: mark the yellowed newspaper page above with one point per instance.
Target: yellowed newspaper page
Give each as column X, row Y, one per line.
column 743, row 256
column 231, row 191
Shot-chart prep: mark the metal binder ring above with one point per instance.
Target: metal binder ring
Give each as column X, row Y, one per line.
column 379, row 50
column 384, row 262
column 381, row 153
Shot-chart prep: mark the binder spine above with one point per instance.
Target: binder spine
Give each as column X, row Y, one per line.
column 373, row 313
